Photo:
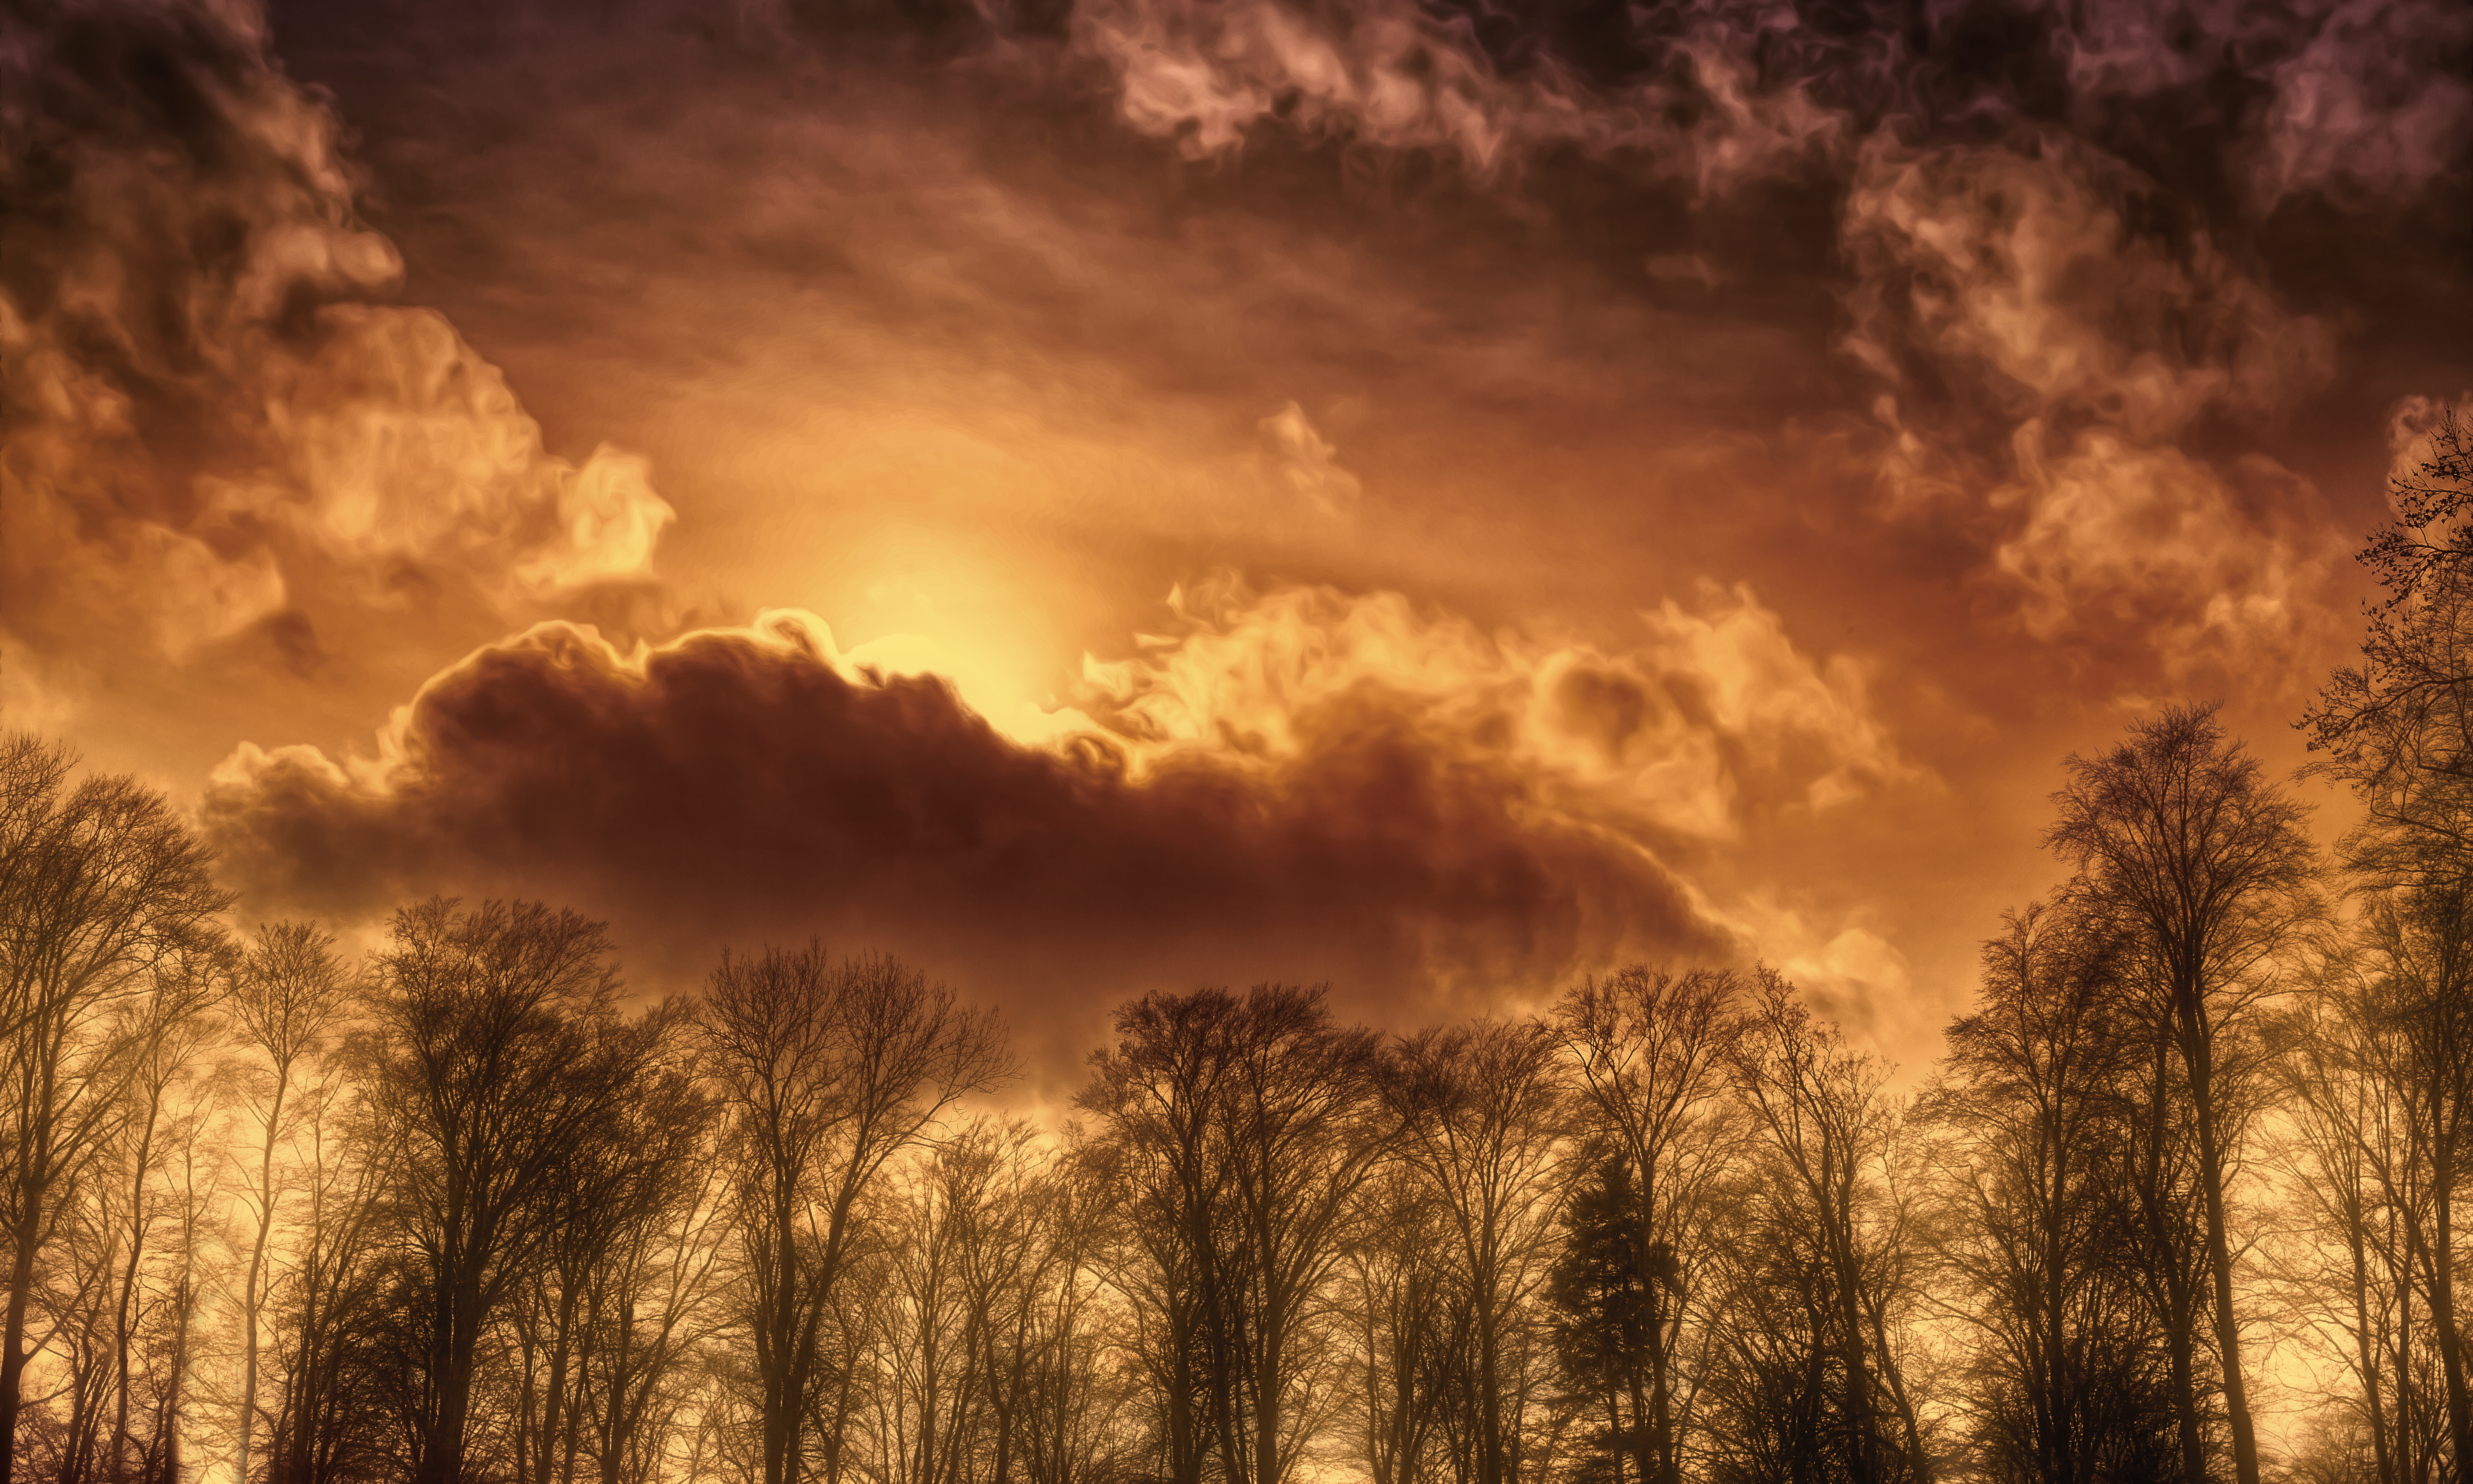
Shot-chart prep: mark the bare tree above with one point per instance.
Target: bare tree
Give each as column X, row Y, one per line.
column 1652, row 1049
column 290, row 991
column 1066, row 1398
column 2379, row 1062
column 164, row 1454
column 828, row 1071
column 2399, row 726
column 648, row 1299
column 619, row 1176
column 1240, row 1127
column 1408, row 1306
column 1829, row 1131
column 329, row 1326
column 1300, row 1143
column 501, row 1056
column 165, row 1033
column 2039, row 1239
column 1158, row 1094
column 98, row 882
column 2209, row 870
column 1480, row 1111
column 2340, row 1149
column 75, row 1302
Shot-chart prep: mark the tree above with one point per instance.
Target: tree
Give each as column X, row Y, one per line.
column 502, row 1058
column 1239, row 1128
column 163, row 1035
column 99, row 882
column 1067, row 1397
column 1158, row 1094
column 2378, row 1063
column 290, row 990
column 1652, row 1050
column 648, row 1291
column 2038, row 1238
column 330, row 1329
column 1830, row 1132
column 1610, row 1288
column 2335, row 1049
column 612, row 1188
column 2179, row 839
column 2398, row 727
column 1479, row 1111
column 1410, row 1308
column 828, row 1071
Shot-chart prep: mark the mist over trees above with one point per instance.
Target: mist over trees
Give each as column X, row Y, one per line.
column 2176, row 1203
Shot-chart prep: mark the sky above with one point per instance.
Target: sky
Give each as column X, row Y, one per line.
column 1102, row 496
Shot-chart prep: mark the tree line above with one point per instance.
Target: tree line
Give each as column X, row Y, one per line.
column 2178, row 1203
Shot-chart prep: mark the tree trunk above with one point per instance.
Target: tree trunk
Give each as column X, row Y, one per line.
column 167, row 1428
column 554, row 1392
column 1651, row 1446
column 1859, row 1377
column 306, row 1399
column 784, row 1377
column 1266, row 1408
column 2197, row 1051
column 2368, row 1355
column 12, row 1340
column 253, row 1295
column 120, row 1332
column 442, row 1456
column 2185, row 1401
column 2057, row 1343
column 2168, row 1286
column 1489, row 1395
column 2439, row 1264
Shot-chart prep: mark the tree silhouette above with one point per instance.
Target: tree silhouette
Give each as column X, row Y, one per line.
column 2208, row 872
column 100, row 883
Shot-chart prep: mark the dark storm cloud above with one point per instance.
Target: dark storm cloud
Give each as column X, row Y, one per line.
column 740, row 784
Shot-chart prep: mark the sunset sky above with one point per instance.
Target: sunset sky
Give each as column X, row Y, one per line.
column 1100, row 495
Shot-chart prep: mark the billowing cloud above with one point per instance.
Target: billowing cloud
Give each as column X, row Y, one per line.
column 213, row 417
column 1715, row 712
column 1310, row 784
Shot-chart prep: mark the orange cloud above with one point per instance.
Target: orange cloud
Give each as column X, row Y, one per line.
column 213, row 417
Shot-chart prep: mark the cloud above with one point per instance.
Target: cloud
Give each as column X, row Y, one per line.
column 2368, row 105
column 2012, row 304
column 1404, row 77
column 738, row 784
column 1714, row 714
column 1309, row 465
column 2061, row 298
column 2020, row 276
column 2362, row 98
column 1306, row 785
column 2151, row 540
column 2410, row 423
column 213, row 417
